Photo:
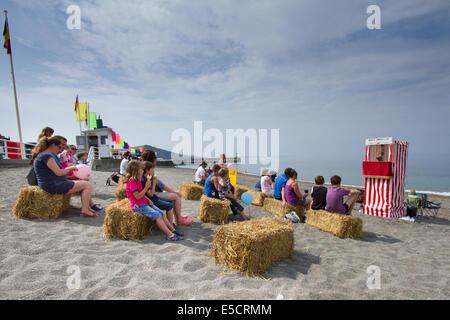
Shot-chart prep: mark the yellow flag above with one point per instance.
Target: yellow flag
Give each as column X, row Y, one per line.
column 233, row 176
column 81, row 113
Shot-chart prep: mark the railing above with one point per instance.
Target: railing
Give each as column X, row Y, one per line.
column 92, row 154
column 15, row 150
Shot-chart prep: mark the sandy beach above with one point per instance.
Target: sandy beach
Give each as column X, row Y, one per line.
column 35, row 255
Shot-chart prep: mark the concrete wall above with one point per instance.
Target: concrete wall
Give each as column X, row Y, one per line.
column 97, row 164
column 114, row 164
column 14, row 163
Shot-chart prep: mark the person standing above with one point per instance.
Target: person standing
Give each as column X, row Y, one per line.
column 123, row 164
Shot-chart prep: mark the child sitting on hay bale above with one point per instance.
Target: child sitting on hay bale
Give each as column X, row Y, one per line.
column 319, row 194
column 225, row 193
column 81, row 158
column 140, row 204
column 335, row 197
column 280, row 184
column 267, row 183
column 165, row 192
column 160, row 203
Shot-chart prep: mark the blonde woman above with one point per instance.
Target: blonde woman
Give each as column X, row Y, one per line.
column 46, row 132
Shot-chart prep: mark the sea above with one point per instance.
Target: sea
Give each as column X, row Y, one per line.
column 423, row 175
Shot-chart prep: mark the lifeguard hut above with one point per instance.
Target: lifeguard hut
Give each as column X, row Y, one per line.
column 101, row 139
column 384, row 172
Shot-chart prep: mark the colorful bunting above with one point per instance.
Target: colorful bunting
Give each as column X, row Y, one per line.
column 92, row 120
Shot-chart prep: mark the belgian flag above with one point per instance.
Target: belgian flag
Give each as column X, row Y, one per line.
column 7, row 44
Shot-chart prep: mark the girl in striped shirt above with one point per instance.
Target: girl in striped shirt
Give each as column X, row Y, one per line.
column 225, row 194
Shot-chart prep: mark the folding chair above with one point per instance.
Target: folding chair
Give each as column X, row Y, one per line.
column 413, row 201
column 429, row 207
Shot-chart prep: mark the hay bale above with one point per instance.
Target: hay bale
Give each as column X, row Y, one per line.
column 274, row 206
column 214, row 210
column 340, row 225
column 121, row 192
column 191, row 191
column 35, row 203
column 258, row 197
column 252, row 246
column 239, row 190
column 123, row 223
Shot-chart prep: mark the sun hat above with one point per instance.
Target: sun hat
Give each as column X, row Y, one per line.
column 264, row 171
column 271, row 173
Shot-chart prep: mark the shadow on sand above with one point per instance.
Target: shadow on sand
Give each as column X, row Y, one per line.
column 373, row 237
column 299, row 262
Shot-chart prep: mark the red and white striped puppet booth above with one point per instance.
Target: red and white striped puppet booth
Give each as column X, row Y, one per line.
column 384, row 171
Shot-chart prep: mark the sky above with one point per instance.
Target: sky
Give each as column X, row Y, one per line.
column 310, row 68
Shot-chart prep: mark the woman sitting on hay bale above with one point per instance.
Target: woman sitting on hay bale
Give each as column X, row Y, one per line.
column 293, row 194
column 52, row 177
column 225, row 193
column 163, row 191
column 140, row 204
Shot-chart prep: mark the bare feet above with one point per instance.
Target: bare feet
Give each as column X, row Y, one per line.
column 88, row 214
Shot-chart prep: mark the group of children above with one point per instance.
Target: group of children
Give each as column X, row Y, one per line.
column 149, row 196
column 285, row 188
column 330, row 199
column 141, row 187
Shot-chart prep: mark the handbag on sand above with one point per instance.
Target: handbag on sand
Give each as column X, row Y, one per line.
column 292, row 216
column 31, row 177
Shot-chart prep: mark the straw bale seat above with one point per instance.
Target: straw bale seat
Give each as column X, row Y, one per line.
column 123, row 223
column 214, row 210
column 239, row 190
column 121, row 192
column 191, row 191
column 252, row 246
column 258, row 197
column 35, row 203
column 340, row 225
column 274, row 206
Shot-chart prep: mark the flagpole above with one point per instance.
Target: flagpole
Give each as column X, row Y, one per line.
column 14, row 81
